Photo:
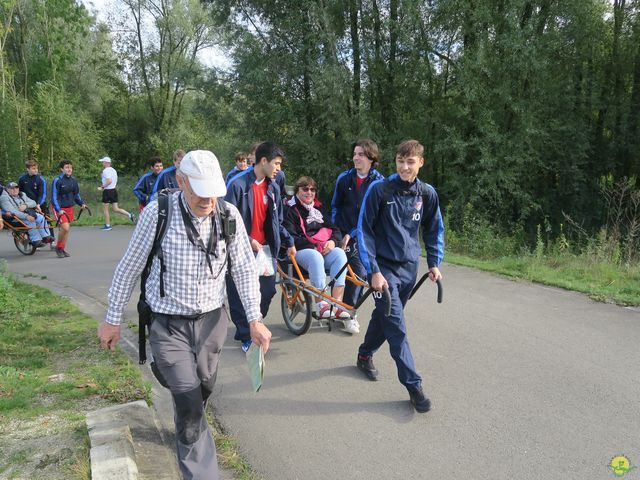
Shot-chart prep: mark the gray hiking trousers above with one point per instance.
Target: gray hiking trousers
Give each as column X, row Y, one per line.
column 186, row 353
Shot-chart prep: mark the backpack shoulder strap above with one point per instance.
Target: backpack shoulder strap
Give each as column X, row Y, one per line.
column 387, row 189
column 144, row 312
column 164, row 217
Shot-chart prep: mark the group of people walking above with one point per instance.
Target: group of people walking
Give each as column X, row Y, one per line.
column 25, row 202
column 212, row 237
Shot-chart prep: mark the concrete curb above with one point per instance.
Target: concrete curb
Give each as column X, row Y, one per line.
column 112, row 454
column 127, row 445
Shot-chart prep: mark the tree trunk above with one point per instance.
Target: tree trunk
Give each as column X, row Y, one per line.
column 389, row 97
column 355, row 47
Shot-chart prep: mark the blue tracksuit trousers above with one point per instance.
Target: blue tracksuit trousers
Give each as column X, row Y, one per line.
column 238, row 315
column 401, row 279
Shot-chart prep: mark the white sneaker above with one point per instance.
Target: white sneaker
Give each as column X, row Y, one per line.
column 342, row 314
column 351, row 326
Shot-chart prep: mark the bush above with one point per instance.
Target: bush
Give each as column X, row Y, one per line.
column 478, row 238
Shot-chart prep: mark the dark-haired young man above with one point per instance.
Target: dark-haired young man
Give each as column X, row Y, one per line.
column 351, row 187
column 144, row 186
column 257, row 196
column 65, row 192
column 392, row 215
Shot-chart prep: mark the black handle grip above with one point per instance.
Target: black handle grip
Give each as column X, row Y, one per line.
column 421, row 281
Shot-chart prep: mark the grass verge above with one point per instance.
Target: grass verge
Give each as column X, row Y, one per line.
column 229, row 456
column 51, row 373
column 601, row 281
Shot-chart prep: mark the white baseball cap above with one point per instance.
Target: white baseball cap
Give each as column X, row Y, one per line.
column 105, row 159
column 205, row 177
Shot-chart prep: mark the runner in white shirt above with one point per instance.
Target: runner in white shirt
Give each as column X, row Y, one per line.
column 110, row 194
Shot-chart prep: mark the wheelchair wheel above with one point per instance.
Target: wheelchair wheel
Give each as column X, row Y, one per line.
column 298, row 316
column 23, row 244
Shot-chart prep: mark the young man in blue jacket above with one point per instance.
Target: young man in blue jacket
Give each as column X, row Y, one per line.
column 392, row 214
column 241, row 161
column 144, row 186
column 351, row 187
column 167, row 177
column 34, row 185
column 257, row 196
column 65, row 192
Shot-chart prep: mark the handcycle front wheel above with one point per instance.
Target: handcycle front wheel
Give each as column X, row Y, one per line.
column 297, row 317
column 23, row 244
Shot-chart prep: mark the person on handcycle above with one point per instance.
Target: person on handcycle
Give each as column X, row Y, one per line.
column 16, row 204
column 316, row 240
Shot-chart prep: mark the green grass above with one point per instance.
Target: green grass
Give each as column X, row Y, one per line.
column 45, row 335
column 600, row 280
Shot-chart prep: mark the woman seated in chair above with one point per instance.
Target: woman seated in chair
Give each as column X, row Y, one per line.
column 316, row 240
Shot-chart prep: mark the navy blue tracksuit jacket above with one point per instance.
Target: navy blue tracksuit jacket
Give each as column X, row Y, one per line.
column 65, row 192
column 144, row 187
column 35, row 186
column 391, row 231
column 166, row 179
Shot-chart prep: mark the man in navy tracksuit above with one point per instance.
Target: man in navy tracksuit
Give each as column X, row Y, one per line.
column 65, row 192
column 34, row 185
column 257, row 196
column 392, row 213
column 143, row 188
column 351, row 187
column 167, row 177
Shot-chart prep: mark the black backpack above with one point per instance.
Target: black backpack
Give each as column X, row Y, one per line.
column 228, row 222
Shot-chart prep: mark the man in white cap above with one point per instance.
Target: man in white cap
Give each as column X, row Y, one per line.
column 188, row 322
column 110, row 194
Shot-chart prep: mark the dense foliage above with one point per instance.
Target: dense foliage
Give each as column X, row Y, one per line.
column 529, row 109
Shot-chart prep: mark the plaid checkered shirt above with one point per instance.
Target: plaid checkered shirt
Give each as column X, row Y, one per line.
column 190, row 287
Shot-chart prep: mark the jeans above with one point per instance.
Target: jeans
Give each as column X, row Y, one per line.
column 316, row 264
column 38, row 229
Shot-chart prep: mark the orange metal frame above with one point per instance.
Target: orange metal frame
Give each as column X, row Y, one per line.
column 301, row 285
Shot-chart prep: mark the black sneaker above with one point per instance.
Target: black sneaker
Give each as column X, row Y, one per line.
column 60, row 253
column 421, row 403
column 365, row 365
column 37, row 244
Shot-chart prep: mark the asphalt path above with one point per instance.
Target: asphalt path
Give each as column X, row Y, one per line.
column 527, row 381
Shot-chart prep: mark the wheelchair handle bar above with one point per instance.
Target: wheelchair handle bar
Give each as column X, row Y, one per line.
column 83, row 209
column 421, row 281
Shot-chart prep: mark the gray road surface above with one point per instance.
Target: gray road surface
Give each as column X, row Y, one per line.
column 527, row 382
